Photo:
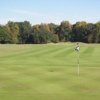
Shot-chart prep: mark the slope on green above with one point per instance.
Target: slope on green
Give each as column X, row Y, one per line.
column 49, row 72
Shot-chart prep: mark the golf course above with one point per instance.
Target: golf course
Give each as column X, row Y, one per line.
column 49, row 71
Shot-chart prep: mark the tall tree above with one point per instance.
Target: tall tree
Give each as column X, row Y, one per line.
column 53, row 27
column 97, row 32
column 14, row 29
column 24, row 31
column 44, row 27
column 64, row 31
column 5, row 35
column 90, row 31
column 41, row 36
column 35, row 28
column 80, row 32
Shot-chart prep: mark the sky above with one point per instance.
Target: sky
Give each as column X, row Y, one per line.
column 49, row 11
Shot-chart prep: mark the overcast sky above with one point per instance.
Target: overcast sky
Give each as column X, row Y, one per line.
column 49, row 11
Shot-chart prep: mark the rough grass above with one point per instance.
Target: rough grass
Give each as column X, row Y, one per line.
column 49, row 72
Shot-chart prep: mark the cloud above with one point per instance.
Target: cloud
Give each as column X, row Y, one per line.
column 45, row 18
column 27, row 12
column 38, row 18
column 4, row 21
column 88, row 18
column 35, row 14
column 33, row 17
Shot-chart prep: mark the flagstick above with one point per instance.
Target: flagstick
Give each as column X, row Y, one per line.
column 78, row 64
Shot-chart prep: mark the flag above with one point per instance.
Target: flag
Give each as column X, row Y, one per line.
column 77, row 47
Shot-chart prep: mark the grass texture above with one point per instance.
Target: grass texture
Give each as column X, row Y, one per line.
column 49, row 72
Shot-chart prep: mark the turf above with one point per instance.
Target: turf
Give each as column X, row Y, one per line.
column 49, row 72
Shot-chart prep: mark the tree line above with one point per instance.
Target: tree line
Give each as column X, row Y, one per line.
column 25, row 33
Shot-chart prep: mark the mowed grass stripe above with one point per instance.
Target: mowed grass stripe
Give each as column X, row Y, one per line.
column 87, row 55
column 39, row 52
column 64, row 52
column 43, row 51
column 57, row 51
column 63, row 60
column 27, row 59
column 47, row 51
column 89, row 51
column 34, row 50
column 47, row 76
column 96, row 52
column 23, row 77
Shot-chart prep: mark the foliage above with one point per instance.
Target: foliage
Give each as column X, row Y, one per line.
column 24, row 32
column 64, row 31
column 5, row 36
column 97, row 32
column 80, row 31
column 14, row 30
column 41, row 36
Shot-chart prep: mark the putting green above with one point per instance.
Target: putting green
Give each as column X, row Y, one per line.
column 49, row 72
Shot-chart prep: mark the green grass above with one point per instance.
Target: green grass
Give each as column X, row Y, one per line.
column 49, row 72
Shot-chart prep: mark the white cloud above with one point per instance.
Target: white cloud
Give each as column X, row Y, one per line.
column 27, row 12
column 33, row 17
column 4, row 21
column 87, row 18
column 38, row 16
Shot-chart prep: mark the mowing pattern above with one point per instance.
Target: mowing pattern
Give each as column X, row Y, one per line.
column 49, row 72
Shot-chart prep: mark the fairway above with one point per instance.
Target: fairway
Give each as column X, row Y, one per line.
column 49, row 72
